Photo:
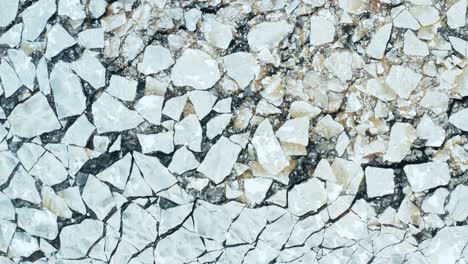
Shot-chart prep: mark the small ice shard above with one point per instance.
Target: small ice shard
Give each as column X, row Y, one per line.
column 378, row 43
column 269, row 152
column 379, row 181
column 111, row 115
column 403, row 80
column 402, row 137
column 219, row 160
column 460, row 119
column 268, row 35
column 195, row 68
column 427, row 175
column 155, row 59
column 35, row 18
column 33, row 117
column 58, row 39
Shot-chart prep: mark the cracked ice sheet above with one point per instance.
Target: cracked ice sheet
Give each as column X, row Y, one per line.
column 238, row 132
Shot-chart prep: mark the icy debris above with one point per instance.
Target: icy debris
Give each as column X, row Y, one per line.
column 155, row 174
column 242, row 67
column 54, row 203
column 404, row 19
column 403, row 80
column 6, row 234
column 72, row 197
column 460, row 119
column 122, row 88
column 437, row 102
column 24, row 67
column 188, row 132
column 9, row 80
column 174, row 107
column 98, row 197
column 217, row 124
column 256, row 189
column 328, row 128
column 427, row 175
column 183, row 160
column 92, row 38
column 295, row 131
column 196, row 69
column 322, row 30
column 402, row 136
column 425, row 14
column 169, row 250
column 379, row 181
column 202, row 102
column 155, row 59
column 66, row 87
column 79, row 132
column 307, row 197
column 111, row 115
column 138, row 226
column 49, row 169
column 435, row 203
column 117, row 173
column 269, row 152
column 77, row 239
column 162, row 142
column 72, row 9
column 22, row 186
column 378, row 43
column 268, row 35
column 13, row 36
column 432, row 133
column 455, row 206
column 33, row 117
column 215, row 32
column 414, row 46
column 58, row 39
column 8, row 11
column 191, row 18
column 219, row 160
column 90, row 69
column 35, row 18
column 378, row 87
column 41, row 223
column 150, row 108
column 456, row 14
column 343, row 64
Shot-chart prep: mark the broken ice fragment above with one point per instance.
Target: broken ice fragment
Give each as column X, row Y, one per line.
column 156, row 175
column 427, row 175
column 155, row 59
column 195, row 68
column 111, row 115
column 58, row 39
column 328, row 128
column 98, row 197
column 403, row 80
column 295, row 131
column 90, row 69
column 122, row 88
column 35, row 18
column 216, row 33
column 77, row 239
column 183, row 160
column 117, row 173
column 33, row 117
column 379, row 181
column 414, row 46
column 269, row 152
column 68, row 94
column 460, row 119
column 157, row 142
column 268, row 35
column 242, row 67
column 402, row 137
column 306, row 197
column 378, row 43
column 41, row 223
column 150, row 108
column 49, row 169
column 188, row 132
column 219, row 160
column 322, row 30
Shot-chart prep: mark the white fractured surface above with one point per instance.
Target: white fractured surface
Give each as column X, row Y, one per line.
column 313, row 131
